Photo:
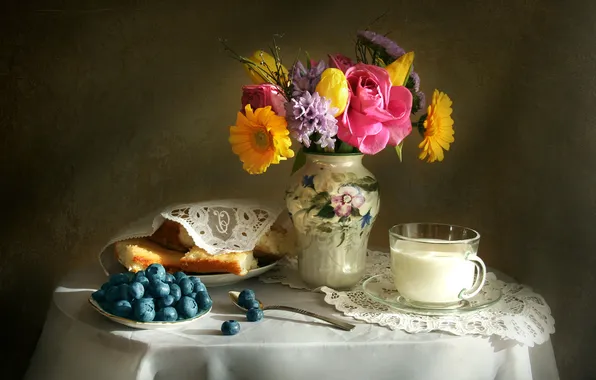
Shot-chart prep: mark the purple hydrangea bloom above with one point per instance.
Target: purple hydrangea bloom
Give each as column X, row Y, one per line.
column 387, row 44
column 306, row 80
column 312, row 113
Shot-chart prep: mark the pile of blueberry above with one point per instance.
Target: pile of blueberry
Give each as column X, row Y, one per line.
column 254, row 313
column 153, row 295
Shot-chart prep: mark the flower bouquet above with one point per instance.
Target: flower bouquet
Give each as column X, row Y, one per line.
column 336, row 105
column 339, row 110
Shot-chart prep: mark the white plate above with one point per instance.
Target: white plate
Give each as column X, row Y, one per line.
column 111, row 265
column 146, row 325
column 212, row 280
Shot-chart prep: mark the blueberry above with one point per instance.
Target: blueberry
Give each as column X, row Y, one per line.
column 186, row 286
column 204, row 302
column 139, row 274
column 175, row 292
column 159, row 289
column 123, row 289
column 144, row 310
column 99, row 295
column 157, row 271
column 252, row 304
column 166, row 301
column 106, row 306
column 169, row 314
column 113, row 294
column 230, row 327
column 179, row 275
column 136, row 290
column 159, row 316
column 254, row 315
column 105, row 286
column 170, row 279
column 199, row 287
column 187, row 307
column 118, row 278
column 245, row 296
column 143, row 280
column 122, row 308
column 193, row 295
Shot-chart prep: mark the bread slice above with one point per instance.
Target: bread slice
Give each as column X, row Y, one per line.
column 172, row 235
column 276, row 243
column 199, row 261
column 138, row 254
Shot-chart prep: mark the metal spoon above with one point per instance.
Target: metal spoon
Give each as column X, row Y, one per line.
column 334, row 321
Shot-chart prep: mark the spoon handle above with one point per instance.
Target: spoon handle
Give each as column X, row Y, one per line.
column 334, row 321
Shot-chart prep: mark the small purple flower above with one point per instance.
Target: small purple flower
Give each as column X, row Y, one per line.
column 421, row 100
column 416, row 79
column 308, row 114
column 387, row 44
column 306, row 80
column 366, row 219
column 349, row 197
column 308, row 181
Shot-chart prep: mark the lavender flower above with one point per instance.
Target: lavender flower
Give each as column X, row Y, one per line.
column 390, row 47
column 306, row 80
column 416, row 79
column 311, row 113
column 421, row 103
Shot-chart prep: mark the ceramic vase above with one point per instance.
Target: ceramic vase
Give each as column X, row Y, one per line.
column 333, row 201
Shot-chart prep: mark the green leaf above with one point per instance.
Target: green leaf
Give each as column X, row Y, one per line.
column 344, row 219
column 326, row 211
column 343, row 238
column 367, row 183
column 398, row 149
column 324, row 228
column 355, row 212
column 299, row 161
column 321, row 199
column 345, row 148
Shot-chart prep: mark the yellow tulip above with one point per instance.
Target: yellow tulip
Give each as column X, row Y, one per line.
column 263, row 68
column 399, row 69
column 334, row 86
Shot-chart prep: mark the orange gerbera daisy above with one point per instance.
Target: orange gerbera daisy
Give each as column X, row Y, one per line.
column 260, row 138
column 438, row 128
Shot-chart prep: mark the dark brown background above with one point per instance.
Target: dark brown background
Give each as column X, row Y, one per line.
column 109, row 109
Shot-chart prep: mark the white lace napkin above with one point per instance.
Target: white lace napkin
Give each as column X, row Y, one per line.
column 217, row 226
column 520, row 315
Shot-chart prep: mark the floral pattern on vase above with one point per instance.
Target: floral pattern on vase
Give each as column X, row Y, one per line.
column 333, row 201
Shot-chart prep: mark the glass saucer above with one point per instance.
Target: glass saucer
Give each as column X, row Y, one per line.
column 381, row 288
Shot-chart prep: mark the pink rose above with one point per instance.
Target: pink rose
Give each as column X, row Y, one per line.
column 263, row 95
column 377, row 113
column 339, row 61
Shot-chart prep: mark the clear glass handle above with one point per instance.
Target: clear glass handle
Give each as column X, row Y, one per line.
column 480, row 277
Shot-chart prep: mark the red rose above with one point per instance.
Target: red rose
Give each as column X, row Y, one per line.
column 263, row 95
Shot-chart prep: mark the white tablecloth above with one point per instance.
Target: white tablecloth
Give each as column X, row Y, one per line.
column 78, row 343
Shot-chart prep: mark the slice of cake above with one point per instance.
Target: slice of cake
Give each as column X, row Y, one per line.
column 276, row 243
column 138, row 254
column 199, row 261
column 172, row 235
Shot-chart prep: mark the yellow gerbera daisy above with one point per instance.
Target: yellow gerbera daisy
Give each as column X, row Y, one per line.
column 260, row 138
column 438, row 128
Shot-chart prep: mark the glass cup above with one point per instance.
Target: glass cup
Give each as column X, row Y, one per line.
column 435, row 265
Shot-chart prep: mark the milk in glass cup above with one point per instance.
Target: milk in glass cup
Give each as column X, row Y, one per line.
column 435, row 265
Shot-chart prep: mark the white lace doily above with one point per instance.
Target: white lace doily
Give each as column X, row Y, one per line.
column 219, row 226
column 520, row 315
